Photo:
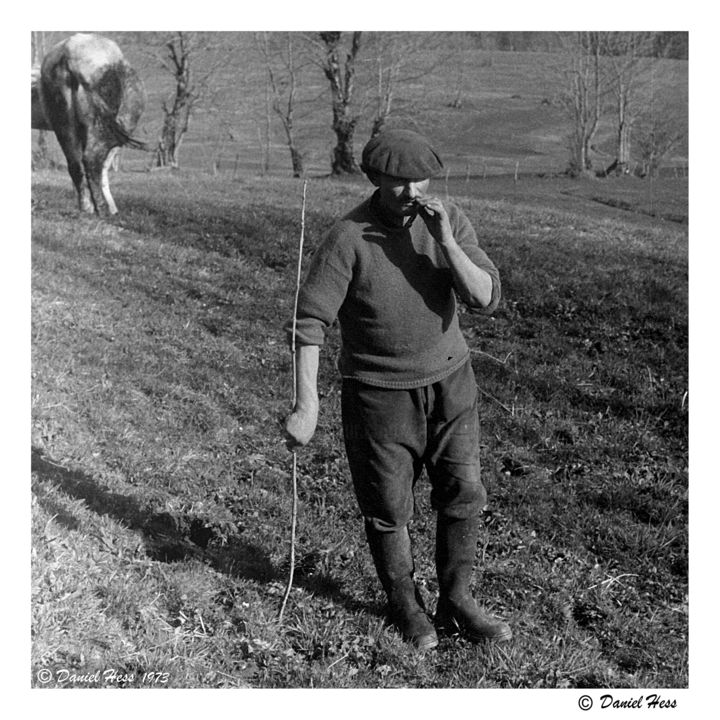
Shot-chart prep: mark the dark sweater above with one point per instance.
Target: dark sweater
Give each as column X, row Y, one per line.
column 391, row 290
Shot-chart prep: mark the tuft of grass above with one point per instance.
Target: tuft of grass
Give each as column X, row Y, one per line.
column 161, row 489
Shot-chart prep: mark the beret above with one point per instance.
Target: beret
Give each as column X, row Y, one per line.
column 402, row 154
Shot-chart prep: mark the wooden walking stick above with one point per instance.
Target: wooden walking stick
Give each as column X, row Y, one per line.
column 294, row 400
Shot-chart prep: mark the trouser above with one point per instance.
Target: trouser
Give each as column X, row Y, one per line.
column 391, row 435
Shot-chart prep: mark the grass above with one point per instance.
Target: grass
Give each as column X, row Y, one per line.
column 161, row 489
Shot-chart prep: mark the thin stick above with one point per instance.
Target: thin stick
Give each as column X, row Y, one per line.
column 294, row 400
column 494, row 399
column 492, row 357
column 611, row 580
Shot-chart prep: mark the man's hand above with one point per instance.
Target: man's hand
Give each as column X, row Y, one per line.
column 472, row 284
column 300, row 425
column 435, row 216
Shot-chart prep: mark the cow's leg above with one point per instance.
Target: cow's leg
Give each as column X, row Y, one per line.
column 94, row 162
column 58, row 100
column 70, row 144
column 105, row 182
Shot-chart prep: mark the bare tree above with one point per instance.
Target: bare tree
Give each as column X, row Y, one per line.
column 40, row 155
column 628, row 64
column 463, row 42
column 177, row 59
column 655, row 133
column 339, row 68
column 659, row 126
column 399, row 60
column 283, row 86
column 611, row 77
column 582, row 96
column 389, row 65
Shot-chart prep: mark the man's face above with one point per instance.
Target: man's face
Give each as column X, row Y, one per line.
column 397, row 195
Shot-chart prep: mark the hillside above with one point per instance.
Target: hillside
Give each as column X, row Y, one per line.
column 161, row 489
column 509, row 117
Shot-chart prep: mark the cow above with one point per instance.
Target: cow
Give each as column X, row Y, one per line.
column 91, row 98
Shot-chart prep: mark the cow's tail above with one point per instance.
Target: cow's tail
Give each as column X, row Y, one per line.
column 127, row 140
column 118, row 100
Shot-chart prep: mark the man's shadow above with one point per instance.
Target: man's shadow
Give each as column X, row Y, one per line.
column 170, row 538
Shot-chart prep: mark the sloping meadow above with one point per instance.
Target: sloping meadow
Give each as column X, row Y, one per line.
column 161, row 488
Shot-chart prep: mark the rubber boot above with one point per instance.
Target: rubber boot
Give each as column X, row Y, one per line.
column 456, row 543
column 392, row 555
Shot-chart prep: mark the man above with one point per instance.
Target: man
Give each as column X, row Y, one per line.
column 389, row 271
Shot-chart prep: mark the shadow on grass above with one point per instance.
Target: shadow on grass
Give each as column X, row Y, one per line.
column 236, row 231
column 169, row 538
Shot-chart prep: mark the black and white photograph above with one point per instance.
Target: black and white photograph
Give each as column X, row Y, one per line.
column 359, row 360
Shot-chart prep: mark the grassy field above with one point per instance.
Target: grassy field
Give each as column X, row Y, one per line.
column 161, row 489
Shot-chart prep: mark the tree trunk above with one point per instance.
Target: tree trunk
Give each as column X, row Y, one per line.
column 298, row 165
column 623, row 148
column 342, row 86
column 283, row 95
column 177, row 114
column 41, row 154
column 377, row 126
column 167, row 153
column 583, row 100
column 296, row 157
column 343, row 158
